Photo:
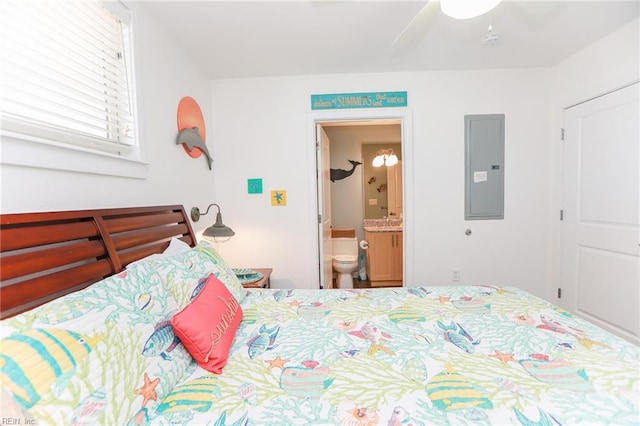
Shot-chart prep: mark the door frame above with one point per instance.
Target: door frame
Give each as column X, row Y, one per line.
column 405, row 117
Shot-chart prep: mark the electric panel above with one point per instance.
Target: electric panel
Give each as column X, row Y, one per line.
column 484, row 166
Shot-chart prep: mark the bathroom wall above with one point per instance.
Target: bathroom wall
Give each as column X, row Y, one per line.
column 347, row 195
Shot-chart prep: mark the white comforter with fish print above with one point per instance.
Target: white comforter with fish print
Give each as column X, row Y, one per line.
column 412, row 356
column 417, row 356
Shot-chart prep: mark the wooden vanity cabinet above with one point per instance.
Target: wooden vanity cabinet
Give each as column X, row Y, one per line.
column 384, row 256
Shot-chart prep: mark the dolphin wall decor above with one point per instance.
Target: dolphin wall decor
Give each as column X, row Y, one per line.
column 192, row 133
column 191, row 139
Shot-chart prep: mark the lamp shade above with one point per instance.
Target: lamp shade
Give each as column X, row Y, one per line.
column 218, row 231
column 392, row 160
column 385, row 157
column 465, row 9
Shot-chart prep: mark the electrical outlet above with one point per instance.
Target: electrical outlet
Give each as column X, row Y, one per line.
column 455, row 275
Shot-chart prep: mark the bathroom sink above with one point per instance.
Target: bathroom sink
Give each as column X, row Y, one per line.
column 388, row 228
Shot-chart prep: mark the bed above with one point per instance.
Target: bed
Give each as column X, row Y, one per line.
column 96, row 332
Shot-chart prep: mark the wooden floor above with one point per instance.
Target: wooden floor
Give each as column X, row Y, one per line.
column 357, row 283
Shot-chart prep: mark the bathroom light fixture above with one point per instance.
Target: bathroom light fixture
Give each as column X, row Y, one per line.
column 218, row 231
column 465, row 9
column 385, row 157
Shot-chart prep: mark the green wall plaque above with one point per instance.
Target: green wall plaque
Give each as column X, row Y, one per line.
column 254, row 186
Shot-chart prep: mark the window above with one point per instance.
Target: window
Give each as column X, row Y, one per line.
column 65, row 76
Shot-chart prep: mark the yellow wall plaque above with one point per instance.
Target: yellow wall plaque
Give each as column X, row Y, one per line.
column 279, row 197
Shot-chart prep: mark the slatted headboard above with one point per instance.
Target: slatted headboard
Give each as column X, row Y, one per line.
column 44, row 256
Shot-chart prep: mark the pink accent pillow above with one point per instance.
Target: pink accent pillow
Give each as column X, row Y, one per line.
column 208, row 325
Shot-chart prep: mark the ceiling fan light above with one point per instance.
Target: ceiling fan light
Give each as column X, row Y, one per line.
column 465, row 9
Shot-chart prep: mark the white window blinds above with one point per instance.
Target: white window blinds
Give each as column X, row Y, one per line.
column 64, row 73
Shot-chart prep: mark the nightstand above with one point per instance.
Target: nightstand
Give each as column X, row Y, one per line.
column 264, row 282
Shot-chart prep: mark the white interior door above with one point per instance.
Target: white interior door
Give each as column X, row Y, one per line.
column 323, row 165
column 601, row 232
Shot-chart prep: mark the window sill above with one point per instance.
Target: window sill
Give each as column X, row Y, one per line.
column 16, row 150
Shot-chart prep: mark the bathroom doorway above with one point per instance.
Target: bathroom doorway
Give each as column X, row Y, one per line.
column 352, row 197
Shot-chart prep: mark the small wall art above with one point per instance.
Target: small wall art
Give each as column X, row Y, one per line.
column 254, row 186
column 279, row 197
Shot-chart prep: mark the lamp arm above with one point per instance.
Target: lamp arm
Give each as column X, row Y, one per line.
column 195, row 212
column 211, row 205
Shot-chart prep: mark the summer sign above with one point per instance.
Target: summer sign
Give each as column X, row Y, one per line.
column 359, row 100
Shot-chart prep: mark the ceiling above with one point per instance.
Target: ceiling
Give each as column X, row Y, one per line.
column 238, row 39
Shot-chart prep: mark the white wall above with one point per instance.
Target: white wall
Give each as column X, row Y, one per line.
column 164, row 76
column 265, row 125
column 610, row 63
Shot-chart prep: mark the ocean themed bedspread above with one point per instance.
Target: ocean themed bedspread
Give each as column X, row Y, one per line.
column 471, row 355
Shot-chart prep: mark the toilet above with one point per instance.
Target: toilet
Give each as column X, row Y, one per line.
column 344, row 260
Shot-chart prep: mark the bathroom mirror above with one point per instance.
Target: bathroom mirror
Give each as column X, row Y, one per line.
column 381, row 186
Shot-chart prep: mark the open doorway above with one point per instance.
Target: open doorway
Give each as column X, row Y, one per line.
column 358, row 194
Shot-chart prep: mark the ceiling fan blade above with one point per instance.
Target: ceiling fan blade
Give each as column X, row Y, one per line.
column 418, row 24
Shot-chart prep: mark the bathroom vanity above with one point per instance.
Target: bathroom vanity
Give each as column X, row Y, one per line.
column 384, row 254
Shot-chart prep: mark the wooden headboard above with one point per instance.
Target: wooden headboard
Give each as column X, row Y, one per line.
column 44, row 256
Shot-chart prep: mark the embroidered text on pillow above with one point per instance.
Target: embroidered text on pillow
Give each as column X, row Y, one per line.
column 225, row 321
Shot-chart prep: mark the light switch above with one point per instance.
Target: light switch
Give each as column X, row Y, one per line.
column 373, row 201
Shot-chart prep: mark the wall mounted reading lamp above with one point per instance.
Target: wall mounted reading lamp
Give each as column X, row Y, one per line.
column 385, row 157
column 218, row 231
